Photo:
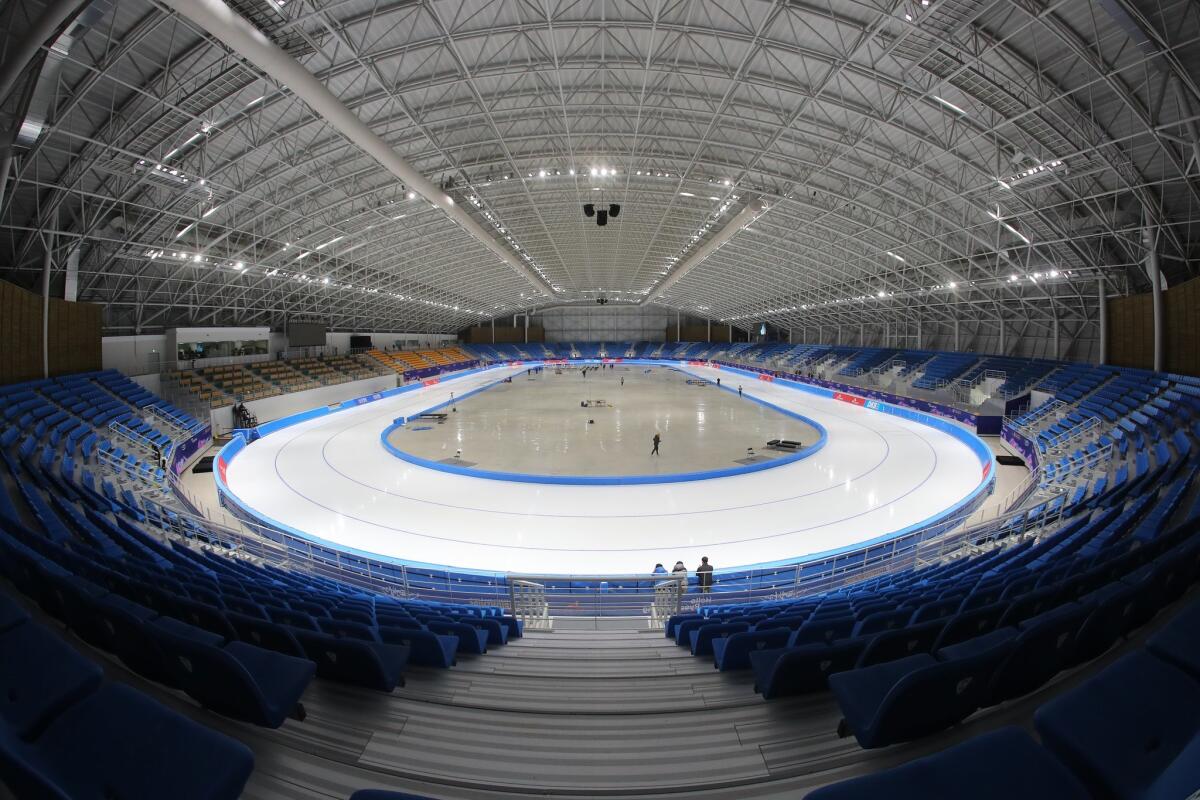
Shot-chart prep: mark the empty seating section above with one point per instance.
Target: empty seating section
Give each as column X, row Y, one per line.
column 93, row 423
column 1131, row 731
column 225, row 385
column 943, row 369
column 284, row 376
column 65, row 733
column 865, row 360
column 904, row 654
column 913, row 652
column 241, row 638
column 402, row 361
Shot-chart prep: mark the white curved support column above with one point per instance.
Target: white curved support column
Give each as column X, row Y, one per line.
column 251, row 44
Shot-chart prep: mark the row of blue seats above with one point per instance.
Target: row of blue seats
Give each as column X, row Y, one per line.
column 866, row 359
column 474, row 627
column 1131, row 731
column 1003, row 623
column 944, row 368
column 66, row 734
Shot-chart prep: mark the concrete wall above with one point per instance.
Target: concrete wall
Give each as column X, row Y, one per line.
column 133, row 355
column 271, row 408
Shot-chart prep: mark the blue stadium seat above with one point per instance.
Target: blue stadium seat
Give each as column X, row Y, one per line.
column 1132, row 731
column 262, row 633
column 1179, row 642
column 239, row 680
column 40, row 675
column 118, row 743
column 427, row 649
column 901, row 643
column 702, row 638
column 806, row 668
column 1042, row 647
column 11, row 614
column 470, row 639
column 1003, row 765
column 733, row 652
column 901, row 700
column 370, row 664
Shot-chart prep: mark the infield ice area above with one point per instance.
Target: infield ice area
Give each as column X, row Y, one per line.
column 537, row 425
column 332, row 478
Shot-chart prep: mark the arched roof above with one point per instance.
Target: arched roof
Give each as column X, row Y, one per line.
column 956, row 160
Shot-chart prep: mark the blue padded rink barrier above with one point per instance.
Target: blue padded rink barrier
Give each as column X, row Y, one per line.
column 326, row 475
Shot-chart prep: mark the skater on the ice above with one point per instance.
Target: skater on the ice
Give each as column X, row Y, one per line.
column 622, row 380
column 718, row 381
column 739, row 390
column 704, row 573
column 657, row 439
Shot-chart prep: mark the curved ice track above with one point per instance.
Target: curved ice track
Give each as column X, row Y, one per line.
column 331, row 479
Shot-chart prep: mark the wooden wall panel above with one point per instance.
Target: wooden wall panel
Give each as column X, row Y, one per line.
column 75, row 331
column 1182, row 329
column 1131, row 331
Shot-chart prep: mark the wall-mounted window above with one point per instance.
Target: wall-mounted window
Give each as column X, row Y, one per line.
column 198, row 351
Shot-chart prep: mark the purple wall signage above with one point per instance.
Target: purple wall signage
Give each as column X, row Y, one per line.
column 925, row 406
column 185, row 450
column 1023, row 445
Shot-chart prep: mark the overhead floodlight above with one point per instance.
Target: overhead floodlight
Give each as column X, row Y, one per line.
column 949, row 105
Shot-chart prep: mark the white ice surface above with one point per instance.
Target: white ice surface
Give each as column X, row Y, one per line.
column 332, row 479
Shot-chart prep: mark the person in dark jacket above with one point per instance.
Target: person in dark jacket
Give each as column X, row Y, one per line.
column 657, row 440
column 704, row 574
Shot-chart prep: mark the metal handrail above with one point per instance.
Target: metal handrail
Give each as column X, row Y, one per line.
column 174, row 423
column 1072, row 436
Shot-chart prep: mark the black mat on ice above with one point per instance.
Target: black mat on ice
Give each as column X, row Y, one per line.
column 457, row 462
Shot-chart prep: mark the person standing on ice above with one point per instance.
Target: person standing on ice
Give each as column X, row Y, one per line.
column 657, row 440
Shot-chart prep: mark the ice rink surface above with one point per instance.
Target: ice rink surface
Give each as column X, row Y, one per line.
column 332, row 479
column 535, row 425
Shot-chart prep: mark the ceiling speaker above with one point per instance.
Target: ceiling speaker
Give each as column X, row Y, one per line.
column 589, row 209
column 601, row 217
column 614, row 210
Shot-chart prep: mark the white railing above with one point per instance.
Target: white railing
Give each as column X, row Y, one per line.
column 1078, row 465
column 527, row 601
column 539, row 599
column 175, row 426
column 122, row 470
column 136, row 439
column 1032, row 424
column 1077, row 434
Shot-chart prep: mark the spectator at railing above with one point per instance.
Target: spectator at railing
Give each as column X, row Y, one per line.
column 704, row 574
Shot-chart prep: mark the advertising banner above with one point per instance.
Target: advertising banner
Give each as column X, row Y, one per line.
column 186, row 451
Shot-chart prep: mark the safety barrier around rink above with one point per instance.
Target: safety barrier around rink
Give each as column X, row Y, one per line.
column 622, row 595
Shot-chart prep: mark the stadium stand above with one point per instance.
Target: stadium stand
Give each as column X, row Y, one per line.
column 225, row 385
column 903, row 655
